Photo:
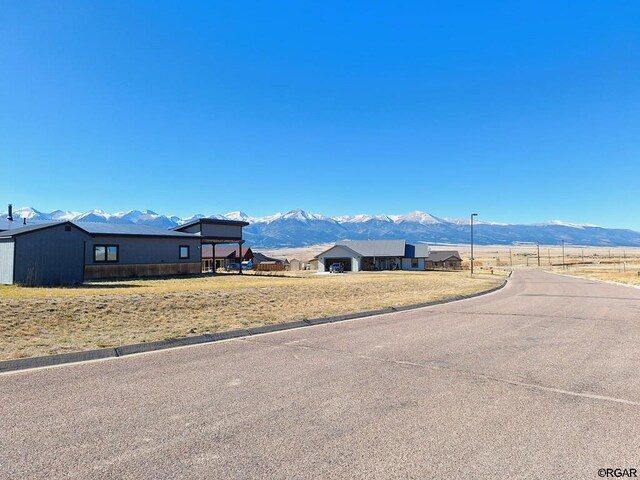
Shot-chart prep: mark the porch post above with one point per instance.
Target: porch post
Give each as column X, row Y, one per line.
column 213, row 258
column 240, row 260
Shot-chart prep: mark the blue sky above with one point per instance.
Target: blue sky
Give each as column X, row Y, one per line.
column 521, row 111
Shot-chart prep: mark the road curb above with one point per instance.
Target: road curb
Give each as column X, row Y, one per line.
column 124, row 350
column 58, row 359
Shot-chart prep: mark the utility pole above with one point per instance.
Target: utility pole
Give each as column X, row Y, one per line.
column 510, row 258
column 549, row 255
column 538, row 245
column 583, row 256
column 563, row 266
column 472, row 215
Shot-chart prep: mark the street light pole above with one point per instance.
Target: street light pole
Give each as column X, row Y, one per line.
column 472, row 215
column 563, row 266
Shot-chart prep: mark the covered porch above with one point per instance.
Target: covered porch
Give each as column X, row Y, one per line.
column 381, row 263
column 215, row 232
column 224, row 256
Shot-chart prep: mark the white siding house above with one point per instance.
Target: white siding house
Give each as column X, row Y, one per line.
column 349, row 258
column 363, row 255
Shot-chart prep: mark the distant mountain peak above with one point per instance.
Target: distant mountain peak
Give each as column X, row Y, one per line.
column 419, row 217
column 300, row 215
column 26, row 212
column 569, row 224
column 237, row 215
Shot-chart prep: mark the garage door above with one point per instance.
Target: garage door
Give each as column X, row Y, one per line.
column 345, row 262
column 6, row 263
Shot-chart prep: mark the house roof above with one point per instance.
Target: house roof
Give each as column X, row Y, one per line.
column 129, row 229
column 102, row 229
column 421, row 250
column 443, row 255
column 375, row 248
column 5, row 224
column 212, row 221
column 29, row 228
column 262, row 258
column 357, row 254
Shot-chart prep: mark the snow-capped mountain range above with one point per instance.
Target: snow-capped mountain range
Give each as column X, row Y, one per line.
column 301, row 228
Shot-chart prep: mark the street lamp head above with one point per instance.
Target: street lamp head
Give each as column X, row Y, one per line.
column 474, row 214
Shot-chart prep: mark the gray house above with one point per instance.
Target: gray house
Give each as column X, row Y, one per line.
column 63, row 253
column 362, row 255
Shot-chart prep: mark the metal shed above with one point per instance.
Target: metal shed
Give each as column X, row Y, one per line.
column 46, row 254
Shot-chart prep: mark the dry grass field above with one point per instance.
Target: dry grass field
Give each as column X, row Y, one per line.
column 41, row 321
column 628, row 278
column 575, row 256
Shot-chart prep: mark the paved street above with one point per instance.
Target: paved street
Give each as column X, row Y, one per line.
column 538, row 380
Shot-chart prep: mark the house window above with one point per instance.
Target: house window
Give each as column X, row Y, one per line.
column 184, row 251
column 414, row 263
column 105, row 253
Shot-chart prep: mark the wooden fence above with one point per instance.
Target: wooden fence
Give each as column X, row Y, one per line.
column 270, row 267
column 94, row 272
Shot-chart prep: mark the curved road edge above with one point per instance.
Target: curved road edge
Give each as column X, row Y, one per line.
column 123, row 350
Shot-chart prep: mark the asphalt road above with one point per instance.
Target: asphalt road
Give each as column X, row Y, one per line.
column 538, row 380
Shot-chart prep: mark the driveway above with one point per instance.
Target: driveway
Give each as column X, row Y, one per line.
column 538, row 380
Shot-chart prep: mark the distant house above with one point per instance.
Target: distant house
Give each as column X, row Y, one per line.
column 363, row 255
column 62, row 253
column 224, row 256
column 296, row 264
column 259, row 258
column 262, row 262
column 444, row 260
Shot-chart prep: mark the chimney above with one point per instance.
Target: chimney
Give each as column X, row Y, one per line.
column 24, row 221
column 10, row 215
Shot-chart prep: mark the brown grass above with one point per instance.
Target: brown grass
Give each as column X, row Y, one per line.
column 40, row 321
column 628, row 278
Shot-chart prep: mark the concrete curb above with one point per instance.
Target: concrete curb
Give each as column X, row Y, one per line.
column 60, row 359
column 49, row 360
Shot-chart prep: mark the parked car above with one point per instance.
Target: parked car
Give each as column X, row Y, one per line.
column 246, row 265
column 336, row 268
